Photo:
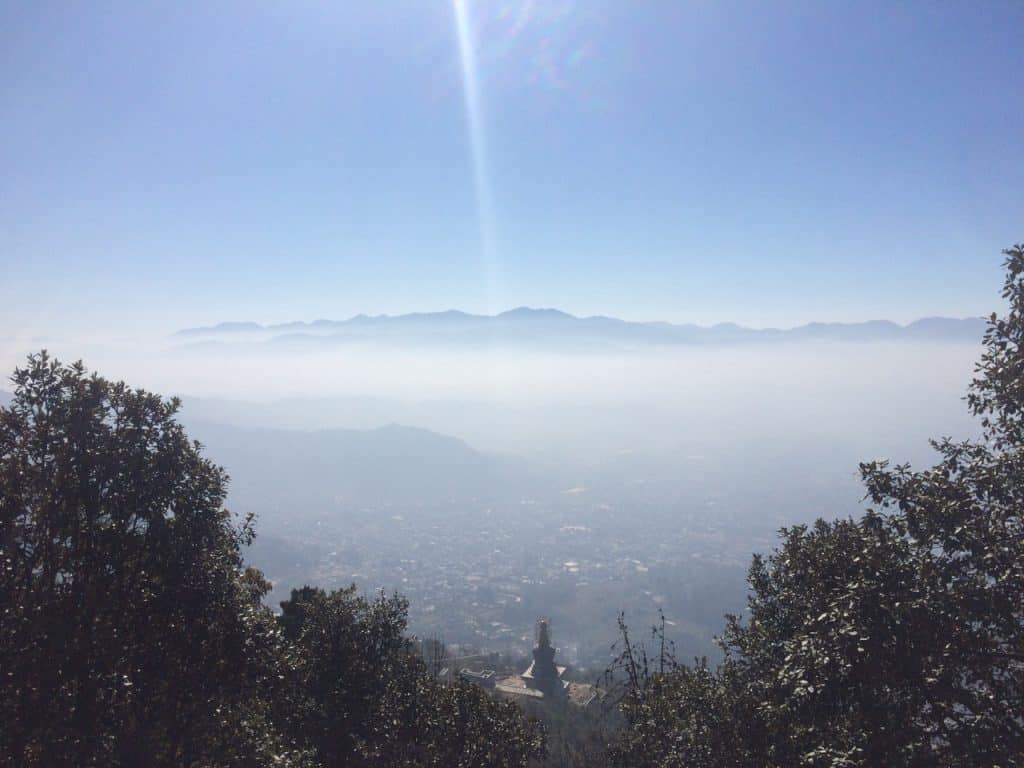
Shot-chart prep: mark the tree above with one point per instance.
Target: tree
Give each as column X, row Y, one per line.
column 895, row 639
column 131, row 633
column 362, row 695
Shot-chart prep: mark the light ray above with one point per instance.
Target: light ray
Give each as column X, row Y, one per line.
column 478, row 148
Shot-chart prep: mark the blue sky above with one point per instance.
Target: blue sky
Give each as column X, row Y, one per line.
column 171, row 164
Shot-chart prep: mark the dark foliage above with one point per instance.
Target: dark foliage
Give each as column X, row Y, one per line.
column 130, row 632
column 360, row 693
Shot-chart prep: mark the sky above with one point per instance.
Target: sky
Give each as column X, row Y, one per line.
column 176, row 164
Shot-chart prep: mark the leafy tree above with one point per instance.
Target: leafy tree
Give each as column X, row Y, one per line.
column 362, row 695
column 895, row 639
column 130, row 632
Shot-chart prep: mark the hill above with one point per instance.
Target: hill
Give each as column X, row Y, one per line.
column 295, row 472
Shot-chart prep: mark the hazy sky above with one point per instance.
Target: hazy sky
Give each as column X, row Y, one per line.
column 170, row 164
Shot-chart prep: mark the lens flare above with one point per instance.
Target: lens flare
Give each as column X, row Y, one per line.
column 478, row 149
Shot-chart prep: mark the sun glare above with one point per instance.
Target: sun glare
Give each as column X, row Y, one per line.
column 478, row 150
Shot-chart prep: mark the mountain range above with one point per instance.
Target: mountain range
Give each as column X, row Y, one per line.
column 539, row 327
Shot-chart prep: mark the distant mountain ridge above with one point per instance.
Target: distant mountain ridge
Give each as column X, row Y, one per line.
column 545, row 326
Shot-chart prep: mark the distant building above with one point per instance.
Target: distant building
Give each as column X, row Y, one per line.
column 543, row 678
column 543, row 674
